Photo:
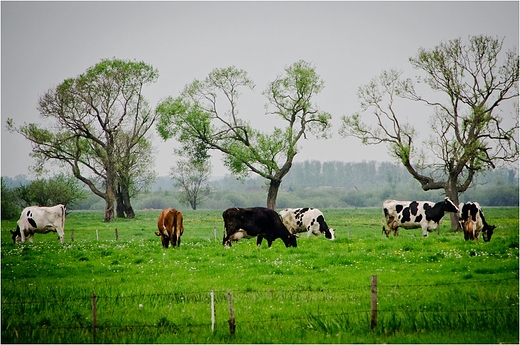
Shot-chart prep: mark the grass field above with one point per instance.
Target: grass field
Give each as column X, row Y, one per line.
column 439, row 289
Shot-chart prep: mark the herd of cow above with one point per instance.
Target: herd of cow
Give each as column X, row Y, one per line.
column 261, row 222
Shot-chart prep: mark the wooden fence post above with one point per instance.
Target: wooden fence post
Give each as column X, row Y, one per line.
column 117, row 235
column 212, row 294
column 215, row 232
column 94, row 315
column 231, row 315
column 97, row 235
column 373, row 302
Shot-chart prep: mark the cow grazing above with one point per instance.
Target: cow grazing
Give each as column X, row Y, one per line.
column 40, row 220
column 472, row 221
column 308, row 220
column 170, row 227
column 257, row 221
column 415, row 214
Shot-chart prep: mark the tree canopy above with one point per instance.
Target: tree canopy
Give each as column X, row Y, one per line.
column 472, row 83
column 197, row 121
column 96, row 124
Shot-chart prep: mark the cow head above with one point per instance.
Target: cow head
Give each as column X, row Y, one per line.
column 487, row 232
column 290, row 240
column 449, row 206
column 330, row 234
column 16, row 235
column 164, row 238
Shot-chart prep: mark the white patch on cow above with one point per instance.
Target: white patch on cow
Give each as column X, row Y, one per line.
column 237, row 236
column 298, row 220
column 41, row 220
column 401, row 214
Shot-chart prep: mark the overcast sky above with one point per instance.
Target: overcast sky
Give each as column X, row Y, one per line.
column 349, row 43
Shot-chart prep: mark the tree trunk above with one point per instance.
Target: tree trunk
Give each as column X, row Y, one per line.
column 109, row 207
column 120, row 213
column 273, row 193
column 110, row 191
column 452, row 193
column 124, row 207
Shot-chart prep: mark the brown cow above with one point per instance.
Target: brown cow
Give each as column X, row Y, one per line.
column 170, row 227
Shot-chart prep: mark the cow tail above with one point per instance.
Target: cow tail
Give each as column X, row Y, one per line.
column 180, row 226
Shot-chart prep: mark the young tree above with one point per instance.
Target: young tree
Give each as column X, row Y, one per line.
column 192, row 178
column 59, row 189
column 89, row 116
column 469, row 136
column 196, row 120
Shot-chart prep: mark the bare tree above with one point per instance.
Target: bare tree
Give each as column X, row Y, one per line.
column 192, row 177
column 469, row 134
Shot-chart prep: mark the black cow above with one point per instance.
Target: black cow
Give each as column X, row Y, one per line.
column 257, row 221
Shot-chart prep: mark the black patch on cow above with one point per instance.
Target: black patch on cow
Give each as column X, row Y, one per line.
column 301, row 211
column 398, row 208
column 324, row 228
column 414, row 207
column 32, row 222
column 406, row 215
column 418, row 218
column 434, row 213
column 469, row 210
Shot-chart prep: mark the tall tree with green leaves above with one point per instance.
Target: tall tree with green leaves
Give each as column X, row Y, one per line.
column 205, row 117
column 88, row 118
column 474, row 86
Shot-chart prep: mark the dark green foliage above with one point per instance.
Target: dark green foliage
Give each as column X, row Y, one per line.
column 10, row 208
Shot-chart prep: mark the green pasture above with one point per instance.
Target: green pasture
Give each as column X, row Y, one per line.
column 439, row 289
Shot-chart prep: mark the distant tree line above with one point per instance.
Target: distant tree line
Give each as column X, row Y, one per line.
column 311, row 183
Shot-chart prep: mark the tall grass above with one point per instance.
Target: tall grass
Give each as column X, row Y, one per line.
column 434, row 290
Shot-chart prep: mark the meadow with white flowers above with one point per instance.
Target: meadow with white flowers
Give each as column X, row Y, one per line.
column 439, row 289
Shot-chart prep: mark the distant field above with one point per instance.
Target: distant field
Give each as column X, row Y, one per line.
column 439, row 289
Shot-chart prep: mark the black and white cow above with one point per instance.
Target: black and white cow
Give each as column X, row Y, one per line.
column 308, row 220
column 41, row 220
column 257, row 221
column 415, row 214
column 472, row 221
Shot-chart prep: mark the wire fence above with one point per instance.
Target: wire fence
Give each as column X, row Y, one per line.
column 323, row 308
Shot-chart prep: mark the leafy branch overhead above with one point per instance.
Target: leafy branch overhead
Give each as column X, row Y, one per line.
column 206, row 117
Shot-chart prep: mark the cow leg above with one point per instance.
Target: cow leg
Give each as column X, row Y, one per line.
column 425, row 231
column 31, row 237
column 259, row 240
